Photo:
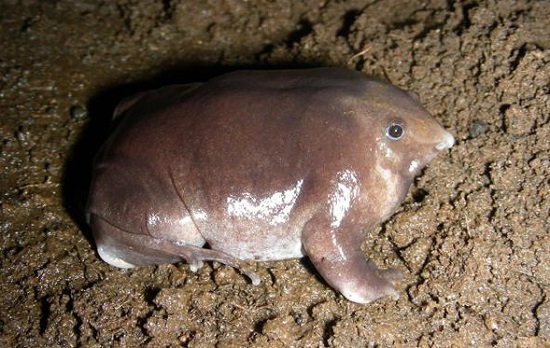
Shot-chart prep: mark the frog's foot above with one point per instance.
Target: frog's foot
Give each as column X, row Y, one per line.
column 382, row 280
column 196, row 255
column 389, row 274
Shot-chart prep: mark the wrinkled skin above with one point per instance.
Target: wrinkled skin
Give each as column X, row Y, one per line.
column 262, row 165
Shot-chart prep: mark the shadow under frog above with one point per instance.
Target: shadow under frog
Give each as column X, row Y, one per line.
column 261, row 165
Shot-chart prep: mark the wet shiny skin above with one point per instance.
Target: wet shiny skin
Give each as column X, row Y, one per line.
column 262, row 165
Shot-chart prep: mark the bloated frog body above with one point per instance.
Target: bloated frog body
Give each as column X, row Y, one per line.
column 261, row 165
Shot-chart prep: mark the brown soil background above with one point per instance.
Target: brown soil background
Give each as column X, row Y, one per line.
column 472, row 236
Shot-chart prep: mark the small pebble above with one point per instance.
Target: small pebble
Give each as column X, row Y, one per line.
column 477, row 128
column 78, row 112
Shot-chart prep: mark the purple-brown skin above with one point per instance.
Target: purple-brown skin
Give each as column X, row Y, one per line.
column 262, row 165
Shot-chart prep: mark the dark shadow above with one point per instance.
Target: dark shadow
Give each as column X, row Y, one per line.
column 348, row 20
column 78, row 168
column 306, row 262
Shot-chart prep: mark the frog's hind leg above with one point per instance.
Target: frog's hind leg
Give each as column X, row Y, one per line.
column 125, row 249
column 195, row 256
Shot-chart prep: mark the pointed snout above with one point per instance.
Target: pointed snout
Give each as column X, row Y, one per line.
column 435, row 141
column 446, row 143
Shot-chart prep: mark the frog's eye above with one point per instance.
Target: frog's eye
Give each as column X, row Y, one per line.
column 395, row 131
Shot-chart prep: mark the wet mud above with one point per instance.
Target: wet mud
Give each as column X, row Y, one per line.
column 472, row 237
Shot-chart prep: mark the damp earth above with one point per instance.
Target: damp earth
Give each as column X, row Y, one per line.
column 472, row 237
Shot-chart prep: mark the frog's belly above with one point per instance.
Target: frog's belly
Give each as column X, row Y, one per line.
column 259, row 243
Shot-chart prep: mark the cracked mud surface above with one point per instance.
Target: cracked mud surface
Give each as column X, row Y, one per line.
column 472, row 236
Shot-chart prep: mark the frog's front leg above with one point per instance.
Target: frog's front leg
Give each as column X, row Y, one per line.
column 335, row 251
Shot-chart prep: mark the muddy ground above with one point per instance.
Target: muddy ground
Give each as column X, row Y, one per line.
column 472, row 236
